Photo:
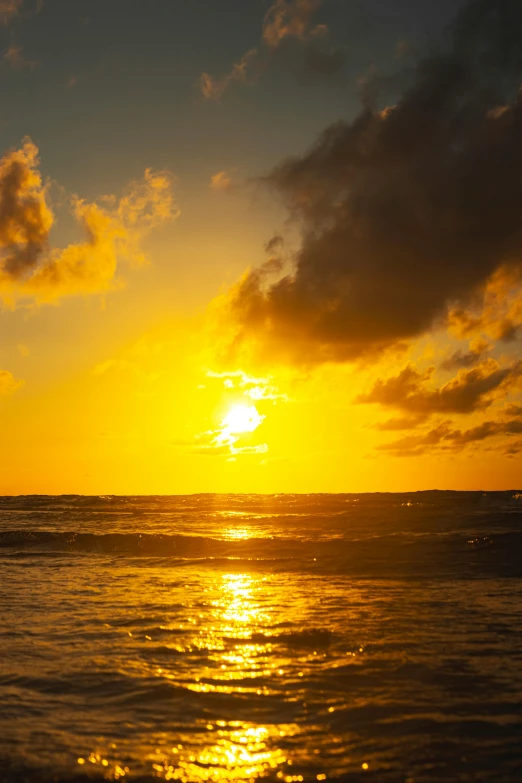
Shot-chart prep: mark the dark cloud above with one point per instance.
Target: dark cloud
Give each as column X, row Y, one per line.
column 514, row 449
column 25, row 218
column 470, row 391
column 400, row 423
column 508, row 331
column 461, row 359
column 411, row 445
column 513, row 410
column 318, row 62
column 405, row 212
column 448, row 439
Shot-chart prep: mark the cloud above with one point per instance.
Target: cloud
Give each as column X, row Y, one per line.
column 498, row 313
column 250, row 386
column 213, row 88
column 9, row 9
column 213, row 447
column 31, row 268
column 401, row 423
column 477, row 350
column 25, row 218
column 15, row 59
column 512, row 410
column 118, row 365
column 513, row 449
column 470, row 390
column 288, row 20
column 288, row 37
column 221, row 181
column 448, row 439
column 8, row 383
column 412, row 445
column 405, row 213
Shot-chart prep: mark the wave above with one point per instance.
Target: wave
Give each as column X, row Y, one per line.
column 406, row 553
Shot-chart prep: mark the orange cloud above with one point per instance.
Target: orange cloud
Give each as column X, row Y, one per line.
column 212, row 88
column 29, row 267
column 8, row 383
column 15, row 59
column 287, row 26
column 290, row 20
column 498, row 314
column 8, row 10
column 221, row 181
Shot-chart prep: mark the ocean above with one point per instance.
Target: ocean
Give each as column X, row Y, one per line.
column 373, row 637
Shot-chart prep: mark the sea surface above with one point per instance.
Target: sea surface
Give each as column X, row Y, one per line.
column 373, row 637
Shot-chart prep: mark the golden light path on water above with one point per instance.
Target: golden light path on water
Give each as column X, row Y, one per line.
column 236, row 750
column 240, row 750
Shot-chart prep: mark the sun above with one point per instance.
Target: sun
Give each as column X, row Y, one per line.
column 242, row 418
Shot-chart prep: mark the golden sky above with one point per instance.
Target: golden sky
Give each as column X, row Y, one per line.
column 263, row 249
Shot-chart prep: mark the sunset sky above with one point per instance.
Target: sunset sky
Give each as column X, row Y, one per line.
column 260, row 247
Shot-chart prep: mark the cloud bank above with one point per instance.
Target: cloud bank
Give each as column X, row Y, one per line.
column 406, row 214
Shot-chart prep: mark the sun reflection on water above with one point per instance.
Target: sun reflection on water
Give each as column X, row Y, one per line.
column 238, row 605
column 238, row 751
column 235, row 750
column 234, row 653
column 236, row 534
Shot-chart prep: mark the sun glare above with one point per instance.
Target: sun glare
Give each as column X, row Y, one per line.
column 242, row 418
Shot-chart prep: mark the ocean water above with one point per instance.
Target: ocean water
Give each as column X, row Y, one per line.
column 244, row 637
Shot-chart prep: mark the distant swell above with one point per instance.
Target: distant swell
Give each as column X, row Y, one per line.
column 414, row 555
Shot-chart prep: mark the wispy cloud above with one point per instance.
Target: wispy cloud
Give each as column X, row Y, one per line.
column 221, row 181
column 444, row 437
column 213, row 88
column 290, row 20
column 14, row 58
column 228, row 438
column 460, row 359
column 8, row 383
column 239, row 425
column 257, row 388
column 9, row 9
column 288, row 35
